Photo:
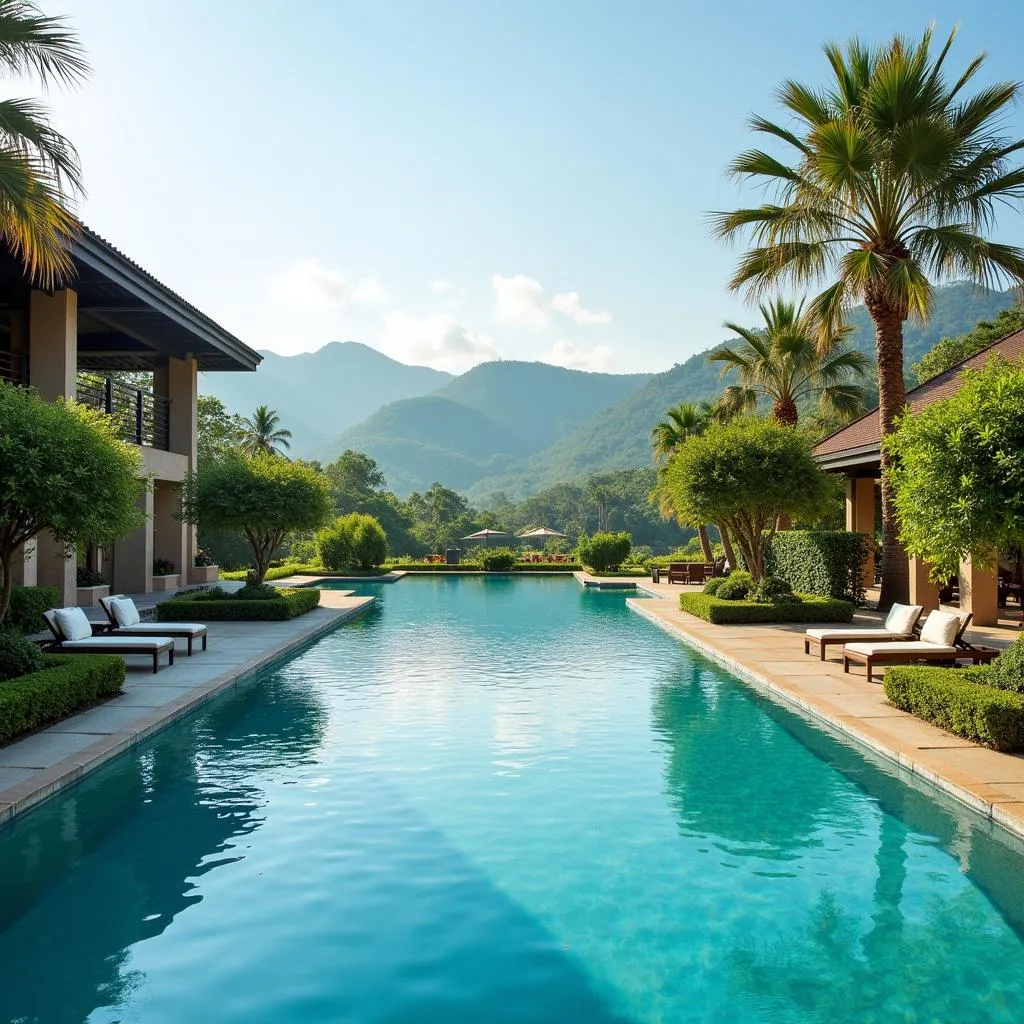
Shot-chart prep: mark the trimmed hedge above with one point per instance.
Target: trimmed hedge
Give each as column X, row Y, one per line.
column 825, row 562
column 959, row 701
column 66, row 685
column 189, row 607
column 25, row 614
column 810, row 608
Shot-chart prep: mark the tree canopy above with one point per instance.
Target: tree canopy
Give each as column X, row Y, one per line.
column 958, row 471
column 746, row 474
column 262, row 497
column 950, row 351
column 262, row 432
column 62, row 469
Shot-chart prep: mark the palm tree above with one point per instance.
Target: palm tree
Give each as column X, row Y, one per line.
column 894, row 181
column 264, row 434
column 682, row 421
column 785, row 362
column 40, row 173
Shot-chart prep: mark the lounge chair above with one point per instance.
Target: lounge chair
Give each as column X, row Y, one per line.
column 74, row 634
column 124, row 621
column 899, row 625
column 941, row 641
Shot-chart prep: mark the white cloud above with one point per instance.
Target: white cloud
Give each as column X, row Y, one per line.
column 520, row 300
column 565, row 353
column 308, row 284
column 438, row 340
column 440, row 285
column 569, row 304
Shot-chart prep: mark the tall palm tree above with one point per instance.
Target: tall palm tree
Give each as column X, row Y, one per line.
column 786, row 363
column 263, row 432
column 894, row 180
column 40, row 175
column 682, row 421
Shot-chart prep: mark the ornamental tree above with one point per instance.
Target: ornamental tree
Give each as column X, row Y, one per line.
column 62, row 469
column 957, row 471
column 262, row 497
column 746, row 474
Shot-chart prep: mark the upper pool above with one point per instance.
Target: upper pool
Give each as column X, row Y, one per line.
column 496, row 800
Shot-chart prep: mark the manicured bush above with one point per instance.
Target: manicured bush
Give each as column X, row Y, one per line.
column 86, row 577
column 960, row 701
column 804, row 608
column 25, row 613
column 1007, row 669
column 499, row 559
column 63, row 686
column 771, row 590
column 334, row 547
column 714, row 584
column 368, row 539
column 825, row 562
column 18, row 656
column 604, row 550
column 735, row 587
column 192, row 606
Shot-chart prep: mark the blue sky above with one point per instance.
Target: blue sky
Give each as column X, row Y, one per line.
column 454, row 181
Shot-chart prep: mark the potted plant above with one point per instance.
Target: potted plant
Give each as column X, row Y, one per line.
column 91, row 587
column 204, row 568
column 165, row 575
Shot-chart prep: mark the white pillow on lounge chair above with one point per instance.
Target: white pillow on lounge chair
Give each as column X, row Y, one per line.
column 901, row 618
column 940, row 628
column 73, row 623
column 125, row 612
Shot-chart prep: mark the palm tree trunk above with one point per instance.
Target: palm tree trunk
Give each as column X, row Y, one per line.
column 784, row 412
column 705, row 544
column 891, row 399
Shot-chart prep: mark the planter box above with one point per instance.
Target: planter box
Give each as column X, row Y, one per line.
column 89, row 597
column 204, row 574
column 162, row 583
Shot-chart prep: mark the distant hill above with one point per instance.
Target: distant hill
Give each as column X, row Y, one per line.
column 481, row 422
column 320, row 394
column 619, row 437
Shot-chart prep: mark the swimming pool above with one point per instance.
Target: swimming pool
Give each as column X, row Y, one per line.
column 497, row 800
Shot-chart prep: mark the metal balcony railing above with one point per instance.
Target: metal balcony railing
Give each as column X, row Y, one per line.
column 140, row 416
column 13, row 367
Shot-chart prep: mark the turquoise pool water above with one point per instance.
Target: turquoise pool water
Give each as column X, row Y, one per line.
column 503, row 800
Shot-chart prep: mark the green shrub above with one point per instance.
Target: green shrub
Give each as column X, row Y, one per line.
column 825, row 562
column 771, row 590
column 1007, row 669
column 303, row 550
column 714, row 584
column 735, row 587
column 803, row 608
column 86, row 577
column 18, row 656
column 25, row 613
column 63, row 686
column 960, row 701
column 499, row 560
column 604, row 550
column 368, row 539
column 192, row 606
column 334, row 546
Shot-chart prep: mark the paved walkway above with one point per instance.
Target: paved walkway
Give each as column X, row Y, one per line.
column 772, row 659
column 45, row 762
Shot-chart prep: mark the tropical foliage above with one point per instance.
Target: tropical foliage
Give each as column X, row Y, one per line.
column 893, row 180
column 262, row 432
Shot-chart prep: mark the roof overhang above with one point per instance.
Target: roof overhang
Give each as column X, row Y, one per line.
column 850, row 460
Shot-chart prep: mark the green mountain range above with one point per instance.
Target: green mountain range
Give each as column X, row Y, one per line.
column 509, row 428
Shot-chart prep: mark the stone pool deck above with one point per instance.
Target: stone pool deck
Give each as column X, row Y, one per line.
column 772, row 659
column 40, row 765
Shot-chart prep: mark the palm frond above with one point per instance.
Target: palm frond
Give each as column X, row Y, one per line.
column 32, row 43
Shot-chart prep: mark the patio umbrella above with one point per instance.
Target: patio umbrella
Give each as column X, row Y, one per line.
column 542, row 533
column 486, row 535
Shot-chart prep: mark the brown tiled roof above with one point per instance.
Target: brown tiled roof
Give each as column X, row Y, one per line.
column 864, row 434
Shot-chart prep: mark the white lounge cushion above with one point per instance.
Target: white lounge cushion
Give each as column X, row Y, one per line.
column 142, row 643
column 73, row 623
column 162, row 628
column 866, row 633
column 904, row 647
column 901, row 618
column 125, row 612
column 940, row 628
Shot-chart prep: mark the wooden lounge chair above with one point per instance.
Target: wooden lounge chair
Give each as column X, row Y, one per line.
column 72, row 637
column 899, row 625
column 941, row 641
column 124, row 621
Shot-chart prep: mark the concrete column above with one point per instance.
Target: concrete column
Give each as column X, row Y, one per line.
column 979, row 593
column 922, row 590
column 170, row 535
column 25, row 569
column 183, row 391
column 132, row 556
column 860, row 518
column 53, row 370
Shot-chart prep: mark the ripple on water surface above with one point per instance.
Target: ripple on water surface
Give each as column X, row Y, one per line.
column 503, row 800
